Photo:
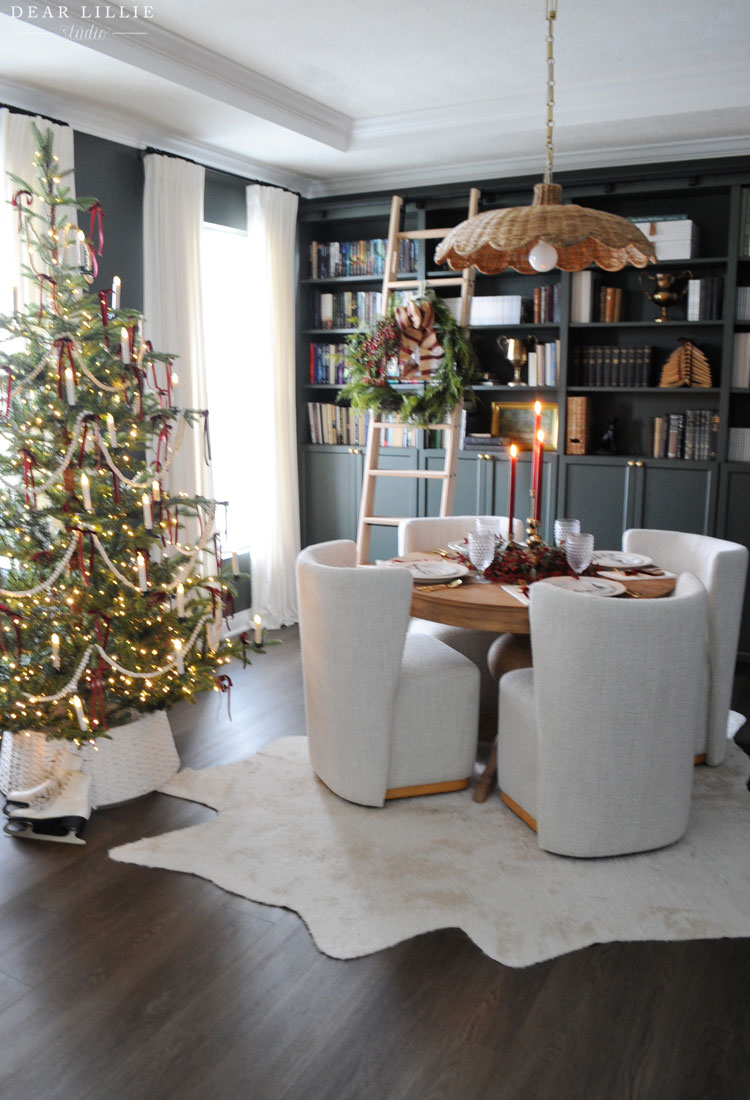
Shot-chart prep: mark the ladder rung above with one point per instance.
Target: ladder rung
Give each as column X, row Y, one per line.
column 408, row 473
column 423, row 234
column 383, row 521
column 431, row 427
column 406, row 284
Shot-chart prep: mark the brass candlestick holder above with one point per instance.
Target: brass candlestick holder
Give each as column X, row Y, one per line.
column 533, row 538
column 669, row 289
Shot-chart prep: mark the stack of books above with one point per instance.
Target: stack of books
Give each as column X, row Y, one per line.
column 547, row 304
column 328, row 364
column 335, row 424
column 741, row 361
column 606, row 365
column 705, row 298
column 542, row 365
column 743, row 303
column 691, row 434
column 589, row 301
column 739, row 445
column 745, row 222
column 493, row 309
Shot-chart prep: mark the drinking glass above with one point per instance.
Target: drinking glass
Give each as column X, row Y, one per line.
column 579, row 550
column 481, row 545
column 565, row 527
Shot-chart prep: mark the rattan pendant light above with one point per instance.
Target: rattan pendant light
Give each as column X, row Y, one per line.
column 549, row 233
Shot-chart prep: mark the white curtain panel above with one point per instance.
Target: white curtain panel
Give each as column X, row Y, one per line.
column 269, row 448
column 17, row 148
column 173, row 312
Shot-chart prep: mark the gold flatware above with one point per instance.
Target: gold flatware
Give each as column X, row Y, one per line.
column 434, row 587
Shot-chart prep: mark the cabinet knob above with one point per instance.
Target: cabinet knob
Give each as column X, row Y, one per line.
column 639, row 464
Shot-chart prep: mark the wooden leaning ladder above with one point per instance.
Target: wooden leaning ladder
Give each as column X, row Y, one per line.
column 451, row 428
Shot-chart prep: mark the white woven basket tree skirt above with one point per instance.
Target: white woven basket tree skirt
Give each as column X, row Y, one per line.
column 138, row 758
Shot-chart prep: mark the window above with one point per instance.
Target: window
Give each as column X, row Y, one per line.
column 229, row 371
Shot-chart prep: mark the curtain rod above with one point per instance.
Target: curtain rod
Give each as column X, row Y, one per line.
column 32, row 114
column 219, row 171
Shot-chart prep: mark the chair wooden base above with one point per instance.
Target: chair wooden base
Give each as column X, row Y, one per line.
column 519, row 811
column 427, row 788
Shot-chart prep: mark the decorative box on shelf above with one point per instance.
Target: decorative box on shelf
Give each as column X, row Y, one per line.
column 673, row 238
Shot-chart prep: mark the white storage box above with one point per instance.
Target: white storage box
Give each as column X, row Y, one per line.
column 673, row 238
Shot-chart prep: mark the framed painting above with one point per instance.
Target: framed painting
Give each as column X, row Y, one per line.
column 513, row 422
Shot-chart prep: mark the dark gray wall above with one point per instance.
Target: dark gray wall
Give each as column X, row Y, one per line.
column 113, row 174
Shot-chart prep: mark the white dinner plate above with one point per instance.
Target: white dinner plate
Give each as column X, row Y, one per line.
column 618, row 559
column 586, row 586
column 436, row 572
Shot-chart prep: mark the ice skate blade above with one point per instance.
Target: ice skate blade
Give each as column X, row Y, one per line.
column 25, row 830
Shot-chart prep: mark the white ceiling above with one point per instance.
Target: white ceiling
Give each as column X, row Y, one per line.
column 354, row 95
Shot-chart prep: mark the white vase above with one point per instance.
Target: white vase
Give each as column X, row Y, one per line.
column 136, row 758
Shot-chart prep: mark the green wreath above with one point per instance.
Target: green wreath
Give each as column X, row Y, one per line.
column 372, row 387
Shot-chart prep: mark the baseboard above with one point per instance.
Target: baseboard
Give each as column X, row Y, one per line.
column 427, row 788
column 519, row 811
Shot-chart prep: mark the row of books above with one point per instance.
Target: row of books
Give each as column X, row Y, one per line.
column 705, row 298
column 547, row 304
column 607, row 365
column 743, row 303
column 741, row 361
column 342, row 259
column 328, row 364
column 542, row 365
column 739, row 445
column 337, row 424
column 690, row 434
column 493, row 309
column 345, row 308
column 591, row 301
column 745, row 222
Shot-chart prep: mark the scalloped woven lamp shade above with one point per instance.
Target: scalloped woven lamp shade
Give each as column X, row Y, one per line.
column 498, row 239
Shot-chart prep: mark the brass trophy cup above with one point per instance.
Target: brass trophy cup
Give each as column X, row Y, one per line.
column 669, row 289
column 517, row 354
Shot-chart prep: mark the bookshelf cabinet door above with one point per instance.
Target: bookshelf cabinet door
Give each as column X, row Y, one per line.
column 473, row 492
column 677, row 498
column 734, row 524
column 393, row 497
column 331, row 485
column 600, row 493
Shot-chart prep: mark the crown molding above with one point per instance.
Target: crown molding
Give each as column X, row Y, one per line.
column 190, row 65
column 508, row 167
column 113, row 127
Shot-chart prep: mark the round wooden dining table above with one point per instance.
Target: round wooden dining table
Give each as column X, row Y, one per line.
column 474, row 605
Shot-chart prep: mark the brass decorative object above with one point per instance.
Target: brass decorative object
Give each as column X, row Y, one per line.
column 549, row 233
column 686, row 366
column 533, row 538
column 517, row 354
column 669, row 289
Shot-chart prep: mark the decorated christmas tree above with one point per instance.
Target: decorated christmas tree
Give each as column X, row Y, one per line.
column 107, row 610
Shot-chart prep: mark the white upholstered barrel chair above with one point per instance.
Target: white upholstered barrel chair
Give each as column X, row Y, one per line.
column 388, row 714
column 722, row 567
column 435, row 532
column 595, row 742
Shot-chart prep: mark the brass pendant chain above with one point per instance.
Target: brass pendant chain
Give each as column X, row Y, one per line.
column 551, row 16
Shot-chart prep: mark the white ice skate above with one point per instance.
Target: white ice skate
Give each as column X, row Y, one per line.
column 65, row 760
column 60, row 816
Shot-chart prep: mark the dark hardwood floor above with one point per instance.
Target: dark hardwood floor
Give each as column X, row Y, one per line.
column 124, row 983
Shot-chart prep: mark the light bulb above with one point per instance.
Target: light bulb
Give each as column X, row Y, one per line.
column 543, row 256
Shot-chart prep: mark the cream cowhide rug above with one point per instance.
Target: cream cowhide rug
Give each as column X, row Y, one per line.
column 365, row 879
